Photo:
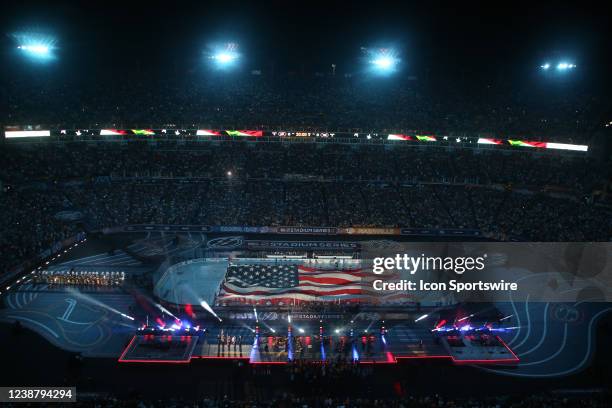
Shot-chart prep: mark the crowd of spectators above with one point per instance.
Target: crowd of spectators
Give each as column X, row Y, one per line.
column 28, row 226
column 308, row 102
column 298, row 162
column 502, row 194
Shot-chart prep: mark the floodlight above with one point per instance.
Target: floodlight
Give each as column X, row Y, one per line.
column 35, row 49
column 225, row 58
column 563, row 66
column 35, row 46
column 384, row 62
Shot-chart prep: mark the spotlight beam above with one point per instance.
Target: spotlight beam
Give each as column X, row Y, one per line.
column 421, row 318
column 207, row 307
column 96, row 302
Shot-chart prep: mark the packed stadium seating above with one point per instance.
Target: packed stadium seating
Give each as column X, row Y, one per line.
column 299, row 102
column 542, row 197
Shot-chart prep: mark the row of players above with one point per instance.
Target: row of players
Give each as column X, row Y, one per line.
column 72, row 277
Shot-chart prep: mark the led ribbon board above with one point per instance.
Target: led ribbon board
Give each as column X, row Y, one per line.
column 253, row 133
column 143, row 132
column 426, row 138
column 113, row 132
column 484, row 140
column 399, row 137
column 207, row 132
column 549, row 145
column 26, row 133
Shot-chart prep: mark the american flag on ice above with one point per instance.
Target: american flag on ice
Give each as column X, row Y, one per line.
column 290, row 283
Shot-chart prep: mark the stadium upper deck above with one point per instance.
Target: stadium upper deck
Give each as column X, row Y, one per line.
column 319, row 103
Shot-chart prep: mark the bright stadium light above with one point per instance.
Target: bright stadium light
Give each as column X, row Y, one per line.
column 559, row 66
column 384, row 62
column 564, row 66
column 225, row 56
column 37, row 47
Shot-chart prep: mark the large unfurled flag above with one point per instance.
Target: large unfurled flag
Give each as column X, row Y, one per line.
column 290, row 283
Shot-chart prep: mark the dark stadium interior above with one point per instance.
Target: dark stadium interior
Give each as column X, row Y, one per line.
column 178, row 181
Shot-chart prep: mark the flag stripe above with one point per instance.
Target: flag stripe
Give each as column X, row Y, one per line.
column 328, row 280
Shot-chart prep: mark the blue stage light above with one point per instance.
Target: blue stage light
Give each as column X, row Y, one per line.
column 355, row 354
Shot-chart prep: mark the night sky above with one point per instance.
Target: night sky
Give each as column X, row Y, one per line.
column 480, row 40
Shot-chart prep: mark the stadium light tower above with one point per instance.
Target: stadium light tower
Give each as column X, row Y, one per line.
column 36, row 47
column 564, row 66
column 226, row 56
column 560, row 66
column 383, row 61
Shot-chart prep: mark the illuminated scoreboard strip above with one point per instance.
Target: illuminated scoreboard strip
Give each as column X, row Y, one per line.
column 430, row 138
column 208, row 132
column 492, row 141
column 540, row 145
column 26, row 133
column 112, row 132
column 399, row 137
column 264, row 135
column 252, row 133
column 484, row 140
column 143, row 132
column 566, row 146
